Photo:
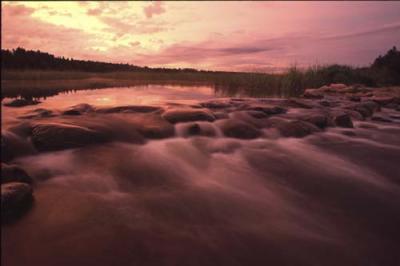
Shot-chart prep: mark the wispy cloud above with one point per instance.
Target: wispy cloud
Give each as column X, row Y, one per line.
column 155, row 8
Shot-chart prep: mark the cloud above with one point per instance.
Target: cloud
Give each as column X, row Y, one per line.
column 373, row 31
column 154, row 8
column 94, row 11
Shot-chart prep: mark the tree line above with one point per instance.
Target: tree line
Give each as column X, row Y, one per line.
column 21, row 59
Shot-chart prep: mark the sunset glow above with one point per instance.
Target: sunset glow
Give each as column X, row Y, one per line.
column 261, row 36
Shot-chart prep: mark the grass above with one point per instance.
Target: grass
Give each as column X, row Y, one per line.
column 40, row 83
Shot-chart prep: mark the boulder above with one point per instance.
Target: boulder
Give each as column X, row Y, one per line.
column 296, row 129
column 14, row 173
column 320, row 120
column 188, row 115
column 58, row 136
column 343, row 120
column 16, row 198
column 238, row 129
column 21, row 102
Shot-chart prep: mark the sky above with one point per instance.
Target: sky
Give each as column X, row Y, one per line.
column 230, row 36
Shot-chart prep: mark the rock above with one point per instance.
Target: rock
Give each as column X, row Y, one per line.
column 296, row 129
column 57, row 136
column 21, row 102
column 354, row 98
column 257, row 114
column 71, row 112
column 220, row 115
column 319, row 120
column 197, row 129
column 14, row 173
column 298, row 103
column 269, row 110
column 13, row 146
column 131, row 109
column 188, row 115
column 383, row 100
column 392, row 106
column 153, row 126
column 215, row 104
column 312, row 94
column 38, row 113
column 15, row 199
column 238, row 129
column 343, row 120
column 338, row 86
column 381, row 119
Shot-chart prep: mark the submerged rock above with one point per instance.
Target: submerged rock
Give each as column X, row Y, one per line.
column 238, row 129
column 21, row 102
column 57, row 136
column 188, row 115
column 296, row 129
column 14, row 173
column 16, row 198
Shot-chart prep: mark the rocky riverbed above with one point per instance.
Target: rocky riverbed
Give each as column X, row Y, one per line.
column 230, row 181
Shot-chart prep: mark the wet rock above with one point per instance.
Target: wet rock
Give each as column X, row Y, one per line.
column 312, row 94
column 238, row 129
column 16, row 198
column 257, row 114
column 78, row 109
column 296, row 129
column 57, row 136
column 343, row 120
column 153, row 127
column 320, row 120
column 21, row 102
column 268, row 110
column 215, row 104
column 220, row 115
column 354, row 114
column 298, row 103
column 71, row 112
column 188, row 115
column 38, row 113
column 354, row 98
column 197, row 129
column 130, row 109
column 383, row 100
column 14, row 173
column 381, row 119
column 13, row 146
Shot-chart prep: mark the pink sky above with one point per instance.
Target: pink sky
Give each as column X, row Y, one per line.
column 238, row 36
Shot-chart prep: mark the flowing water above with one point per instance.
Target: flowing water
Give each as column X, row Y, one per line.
column 326, row 199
